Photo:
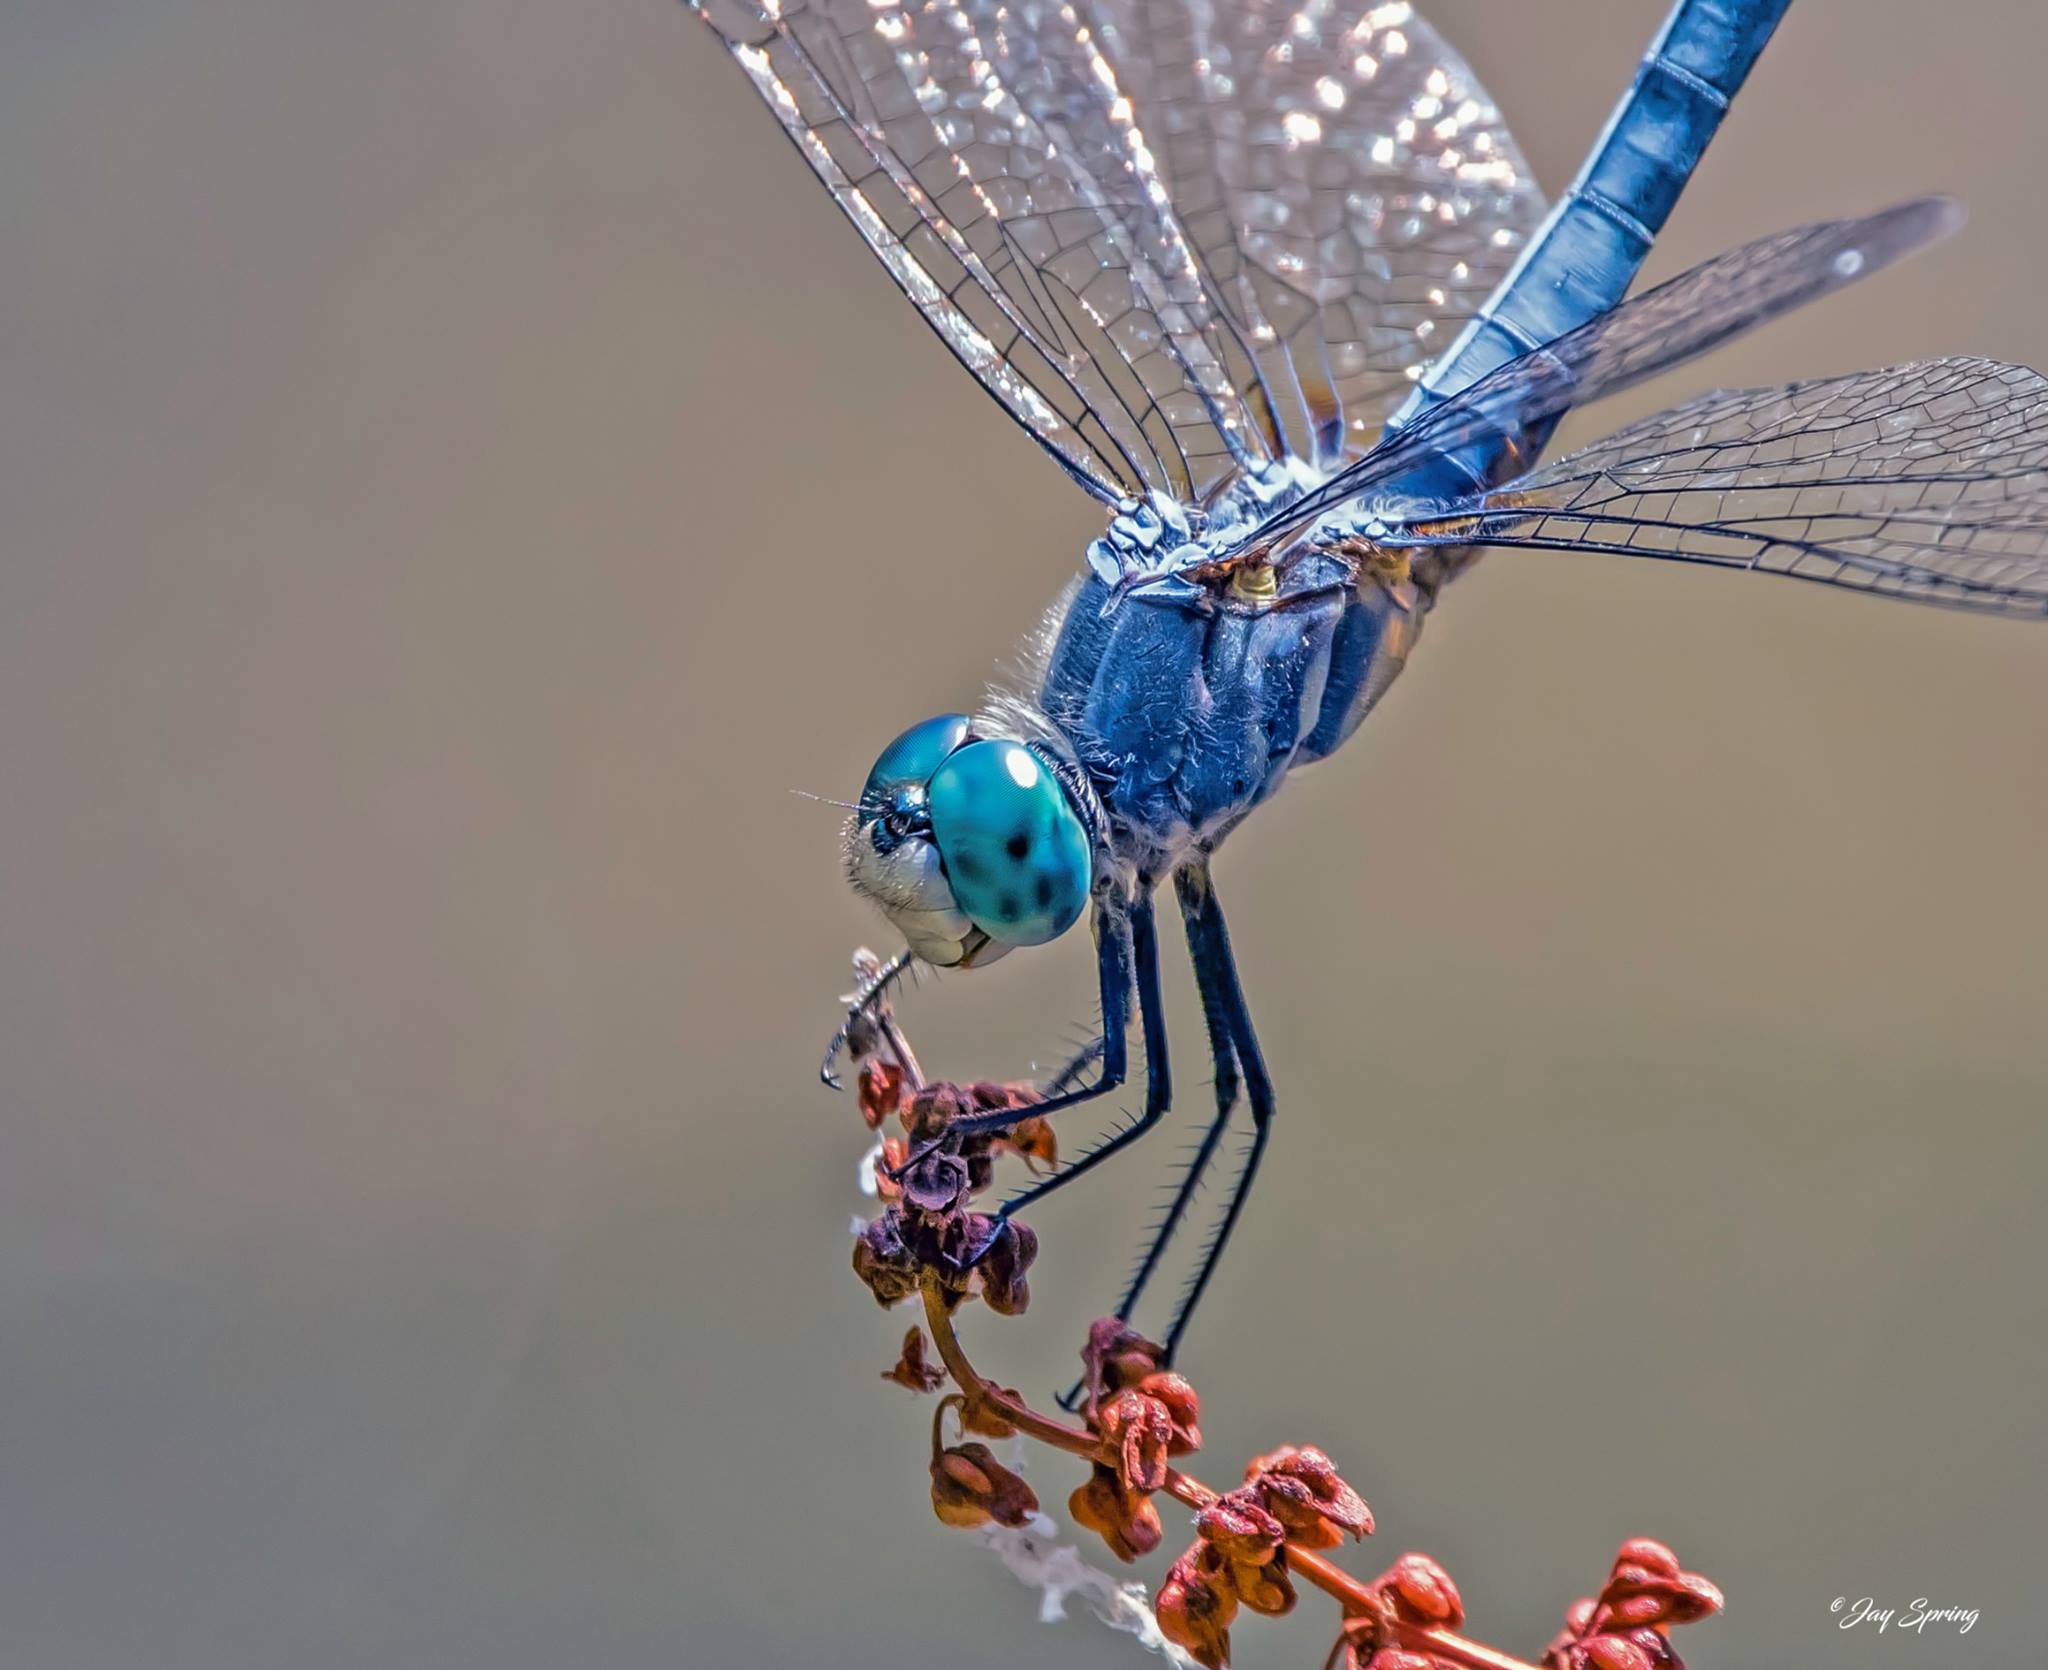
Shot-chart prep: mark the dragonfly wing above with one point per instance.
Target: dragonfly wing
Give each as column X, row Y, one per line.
column 1351, row 190
column 1926, row 481
column 1052, row 63
column 1027, row 266
column 1641, row 337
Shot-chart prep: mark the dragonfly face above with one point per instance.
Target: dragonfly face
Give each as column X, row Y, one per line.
column 969, row 846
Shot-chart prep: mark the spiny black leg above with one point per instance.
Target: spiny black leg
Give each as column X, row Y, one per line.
column 1158, row 1075
column 1114, row 917
column 1191, row 886
column 1224, row 1054
column 872, row 991
column 1216, row 969
column 1084, row 1058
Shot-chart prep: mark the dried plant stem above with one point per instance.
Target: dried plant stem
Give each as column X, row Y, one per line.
column 981, row 1395
column 1253, row 1543
column 1353, row 1596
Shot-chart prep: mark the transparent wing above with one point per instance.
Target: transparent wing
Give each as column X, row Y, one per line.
column 1051, row 64
column 1033, row 271
column 1644, row 335
column 1352, row 192
column 1926, row 481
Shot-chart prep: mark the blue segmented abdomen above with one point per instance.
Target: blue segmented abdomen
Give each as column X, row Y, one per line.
column 1586, row 253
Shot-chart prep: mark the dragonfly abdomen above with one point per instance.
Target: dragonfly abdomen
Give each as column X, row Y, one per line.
column 1582, row 259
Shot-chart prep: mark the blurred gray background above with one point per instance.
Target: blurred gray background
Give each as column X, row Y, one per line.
column 457, row 474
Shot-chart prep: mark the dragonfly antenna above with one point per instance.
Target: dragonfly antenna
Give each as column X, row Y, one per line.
column 826, row 800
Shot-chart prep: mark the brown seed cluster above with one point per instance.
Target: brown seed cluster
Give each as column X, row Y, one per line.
column 1291, row 1498
column 971, row 1487
column 1255, row 1546
column 926, row 1231
column 1412, row 1598
column 1626, row 1626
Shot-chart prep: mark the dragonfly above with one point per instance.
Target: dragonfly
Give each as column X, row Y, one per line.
column 1273, row 283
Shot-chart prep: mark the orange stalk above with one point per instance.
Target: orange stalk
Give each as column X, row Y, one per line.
column 1355, row 1597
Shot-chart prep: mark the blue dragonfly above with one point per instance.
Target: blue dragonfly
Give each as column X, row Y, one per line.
column 1273, row 283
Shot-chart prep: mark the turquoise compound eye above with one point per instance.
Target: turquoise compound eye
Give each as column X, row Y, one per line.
column 1015, row 851
column 909, row 761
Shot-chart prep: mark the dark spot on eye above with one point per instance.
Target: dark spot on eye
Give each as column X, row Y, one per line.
column 1043, row 892
column 1237, row 785
column 1018, row 845
column 1006, row 907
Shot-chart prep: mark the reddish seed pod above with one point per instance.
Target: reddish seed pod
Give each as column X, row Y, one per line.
column 1114, row 1357
column 895, row 1151
column 912, row 1368
column 1244, row 1531
column 884, row 1262
column 970, row 1487
column 881, row 1090
column 1302, row 1488
column 1649, row 1554
column 982, row 1420
column 1616, row 1652
column 935, row 1184
column 1265, row 1589
column 1195, row 1610
column 1182, row 1406
column 935, row 1107
column 961, row 1490
column 1632, row 1610
column 1138, row 1430
column 1693, row 1598
column 1003, row 1268
column 1423, row 1593
column 1033, row 1142
column 1128, row 1523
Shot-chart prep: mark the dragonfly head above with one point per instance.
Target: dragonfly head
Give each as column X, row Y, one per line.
column 969, row 845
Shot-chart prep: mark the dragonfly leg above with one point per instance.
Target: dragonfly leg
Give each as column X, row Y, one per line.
column 1190, row 885
column 1158, row 1073
column 871, row 993
column 1083, row 1058
column 1120, row 926
column 1216, row 973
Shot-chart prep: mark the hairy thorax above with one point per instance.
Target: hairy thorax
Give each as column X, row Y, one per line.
column 1188, row 714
